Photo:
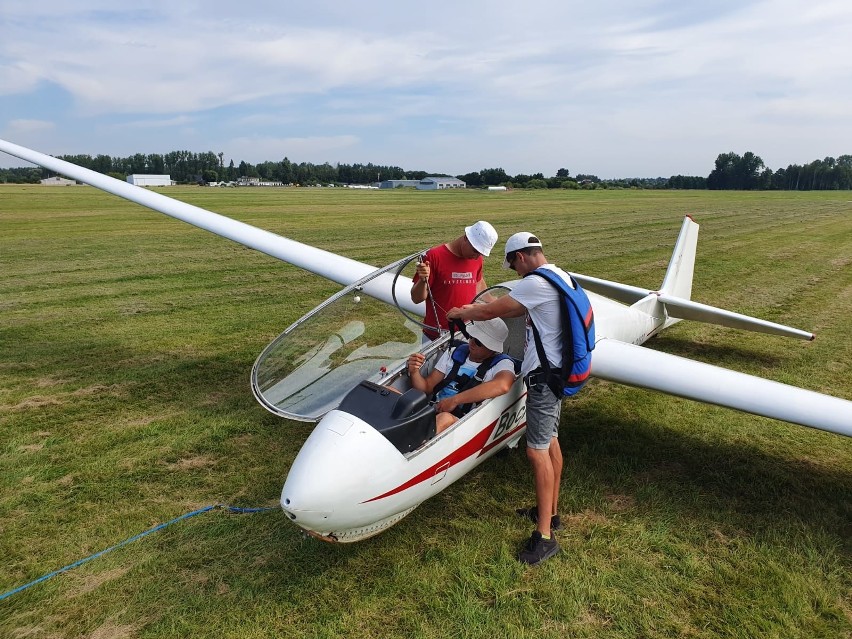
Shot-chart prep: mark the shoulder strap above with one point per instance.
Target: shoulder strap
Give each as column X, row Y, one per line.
column 554, row 375
column 482, row 370
column 551, row 374
column 467, row 382
column 572, row 295
column 459, row 355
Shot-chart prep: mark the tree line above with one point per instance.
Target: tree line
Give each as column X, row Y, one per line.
column 731, row 172
column 747, row 172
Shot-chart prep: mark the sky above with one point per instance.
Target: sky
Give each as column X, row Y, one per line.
column 614, row 88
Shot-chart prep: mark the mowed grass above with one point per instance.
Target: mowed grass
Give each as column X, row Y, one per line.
column 126, row 341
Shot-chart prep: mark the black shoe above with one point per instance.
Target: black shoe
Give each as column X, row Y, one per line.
column 538, row 549
column 532, row 515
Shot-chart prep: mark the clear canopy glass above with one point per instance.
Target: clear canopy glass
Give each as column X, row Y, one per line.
column 308, row 369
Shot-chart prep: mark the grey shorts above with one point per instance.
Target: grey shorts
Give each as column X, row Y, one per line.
column 543, row 410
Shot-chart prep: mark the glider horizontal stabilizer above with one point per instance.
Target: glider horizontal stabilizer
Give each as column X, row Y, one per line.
column 639, row 366
column 680, row 308
column 617, row 291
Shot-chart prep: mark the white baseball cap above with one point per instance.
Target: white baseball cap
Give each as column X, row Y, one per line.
column 520, row 241
column 492, row 333
column 482, row 237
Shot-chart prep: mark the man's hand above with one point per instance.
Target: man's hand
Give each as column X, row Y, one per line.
column 420, row 289
column 505, row 306
column 447, row 405
column 458, row 312
column 423, row 271
column 415, row 362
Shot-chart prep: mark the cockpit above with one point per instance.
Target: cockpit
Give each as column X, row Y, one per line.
column 350, row 353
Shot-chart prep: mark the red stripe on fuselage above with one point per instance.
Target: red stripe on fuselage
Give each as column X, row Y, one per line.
column 503, row 438
column 477, row 443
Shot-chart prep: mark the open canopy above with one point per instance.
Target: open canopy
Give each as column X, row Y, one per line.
column 308, row 369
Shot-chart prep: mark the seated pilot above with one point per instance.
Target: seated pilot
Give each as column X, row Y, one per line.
column 468, row 374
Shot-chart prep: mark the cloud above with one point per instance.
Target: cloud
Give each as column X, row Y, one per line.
column 157, row 123
column 646, row 87
column 16, row 127
column 308, row 149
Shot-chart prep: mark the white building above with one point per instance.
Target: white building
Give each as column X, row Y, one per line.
column 392, row 184
column 434, row 183
column 256, row 181
column 140, row 179
column 58, row 181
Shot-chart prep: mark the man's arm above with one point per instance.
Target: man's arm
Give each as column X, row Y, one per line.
column 419, row 289
column 500, row 385
column 425, row 384
column 505, row 306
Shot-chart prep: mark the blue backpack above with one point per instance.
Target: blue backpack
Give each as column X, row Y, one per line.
column 578, row 337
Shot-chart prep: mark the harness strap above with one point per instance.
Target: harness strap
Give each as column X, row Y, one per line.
column 551, row 375
column 464, row 382
column 554, row 377
column 450, row 377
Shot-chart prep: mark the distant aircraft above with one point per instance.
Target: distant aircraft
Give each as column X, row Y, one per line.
column 374, row 456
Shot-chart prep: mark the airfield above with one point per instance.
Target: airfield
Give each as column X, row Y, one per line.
column 127, row 341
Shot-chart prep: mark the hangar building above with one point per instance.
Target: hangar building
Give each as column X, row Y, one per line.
column 140, row 179
column 392, row 184
column 433, row 183
column 58, row 181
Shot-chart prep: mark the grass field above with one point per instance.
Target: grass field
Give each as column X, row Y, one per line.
column 126, row 340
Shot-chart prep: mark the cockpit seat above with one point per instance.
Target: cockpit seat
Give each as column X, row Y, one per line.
column 406, row 420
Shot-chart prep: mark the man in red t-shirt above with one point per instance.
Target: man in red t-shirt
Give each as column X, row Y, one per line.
column 452, row 273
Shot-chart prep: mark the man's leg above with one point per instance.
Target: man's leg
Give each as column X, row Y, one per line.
column 443, row 421
column 542, row 465
column 543, row 451
column 542, row 420
column 556, row 461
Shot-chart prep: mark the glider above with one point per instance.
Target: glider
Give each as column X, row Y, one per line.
column 373, row 456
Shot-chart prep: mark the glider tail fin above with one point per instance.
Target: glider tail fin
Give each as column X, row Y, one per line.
column 678, row 280
column 676, row 292
column 673, row 303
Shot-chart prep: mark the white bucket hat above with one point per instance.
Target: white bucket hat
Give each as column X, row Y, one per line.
column 517, row 242
column 482, row 237
column 492, row 333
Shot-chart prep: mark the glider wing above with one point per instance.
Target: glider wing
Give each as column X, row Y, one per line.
column 639, row 366
column 324, row 263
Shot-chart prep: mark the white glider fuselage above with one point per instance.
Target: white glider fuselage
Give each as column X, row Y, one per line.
column 349, row 482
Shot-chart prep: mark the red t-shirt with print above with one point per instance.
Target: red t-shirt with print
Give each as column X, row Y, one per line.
column 452, row 282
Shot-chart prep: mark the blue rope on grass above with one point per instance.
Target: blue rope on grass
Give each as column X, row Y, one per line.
column 232, row 509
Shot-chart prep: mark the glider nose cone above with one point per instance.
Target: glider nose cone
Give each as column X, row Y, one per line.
column 315, row 484
column 342, row 465
column 302, row 514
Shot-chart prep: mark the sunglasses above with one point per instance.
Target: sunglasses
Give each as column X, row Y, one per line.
column 511, row 257
column 477, row 342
